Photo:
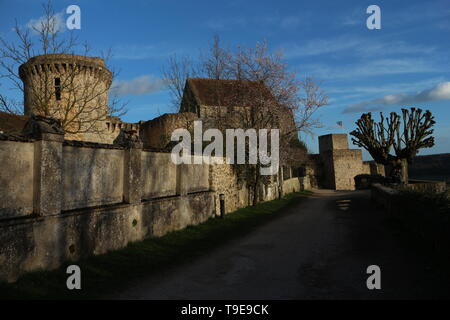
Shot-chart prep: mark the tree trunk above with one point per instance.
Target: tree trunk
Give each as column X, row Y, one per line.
column 256, row 187
column 399, row 173
column 404, row 171
column 280, row 182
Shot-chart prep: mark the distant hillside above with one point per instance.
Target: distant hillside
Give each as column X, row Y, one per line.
column 431, row 167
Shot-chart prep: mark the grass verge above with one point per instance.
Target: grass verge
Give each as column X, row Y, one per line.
column 112, row 271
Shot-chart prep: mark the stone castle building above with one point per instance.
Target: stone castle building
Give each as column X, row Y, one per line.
column 337, row 165
column 53, row 81
column 73, row 89
column 85, row 193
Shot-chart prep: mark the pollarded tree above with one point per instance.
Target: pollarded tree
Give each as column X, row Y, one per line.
column 404, row 135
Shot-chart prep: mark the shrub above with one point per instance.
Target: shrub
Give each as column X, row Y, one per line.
column 426, row 214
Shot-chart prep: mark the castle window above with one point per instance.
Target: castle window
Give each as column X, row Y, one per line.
column 58, row 88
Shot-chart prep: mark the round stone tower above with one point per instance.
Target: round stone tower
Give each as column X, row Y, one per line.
column 71, row 88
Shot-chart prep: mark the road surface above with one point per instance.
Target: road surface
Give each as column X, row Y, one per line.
column 318, row 249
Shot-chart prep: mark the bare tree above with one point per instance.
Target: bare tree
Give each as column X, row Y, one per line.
column 175, row 74
column 259, row 92
column 79, row 95
column 268, row 94
column 302, row 97
column 178, row 69
column 216, row 64
column 9, row 105
column 405, row 135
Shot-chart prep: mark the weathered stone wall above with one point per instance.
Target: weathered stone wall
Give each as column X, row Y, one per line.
column 305, row 183
column 197, row 177
column 45, row 243
column 92, row 177
column 105, row 132
column 340, row 165
column 365, row 167
column 73, row 199
column 159, row 175
column 61, row 200
column 314, row 171
column 333, row 142
column 292, row 185
column 340, row 168
column 224, row 180
column 427, row 186
column 16, row 178
column 328, row 175
column 347, row 165
column 156, row 133
column 270, row 190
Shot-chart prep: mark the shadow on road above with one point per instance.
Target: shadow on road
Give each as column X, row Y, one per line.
column 318, row 249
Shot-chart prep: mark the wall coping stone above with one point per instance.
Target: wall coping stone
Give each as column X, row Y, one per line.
column 86, row 144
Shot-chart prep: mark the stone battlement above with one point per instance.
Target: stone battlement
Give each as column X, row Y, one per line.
column 61, row 63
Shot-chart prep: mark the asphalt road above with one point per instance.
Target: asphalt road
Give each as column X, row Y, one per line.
column 318, row 249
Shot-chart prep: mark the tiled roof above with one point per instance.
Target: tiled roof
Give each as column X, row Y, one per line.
column 215, row 92
column 12, row 123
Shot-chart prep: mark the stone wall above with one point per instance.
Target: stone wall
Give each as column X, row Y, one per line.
column 373, row 168
column 61, row 200
column 333, row 142
column 341, row 167
column 224, row 180
column 156, row 133
column 105, row 132
column 92, row 177
column 427, row 186
column 366, row 167
column 16, row 178
column 314, row 171
column 292, row 185
column 161, row 182
column 347, row 165
column 47, row 242
column 338, row 165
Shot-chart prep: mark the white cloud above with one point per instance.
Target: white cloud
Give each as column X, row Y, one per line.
column 372, row 68
column 353, row 46
column 140, row 85
column 382, row 89
column 57, row 23
column 284, row 22
column 439, row 92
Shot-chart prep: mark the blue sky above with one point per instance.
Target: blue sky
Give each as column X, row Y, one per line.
column 405, row 63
